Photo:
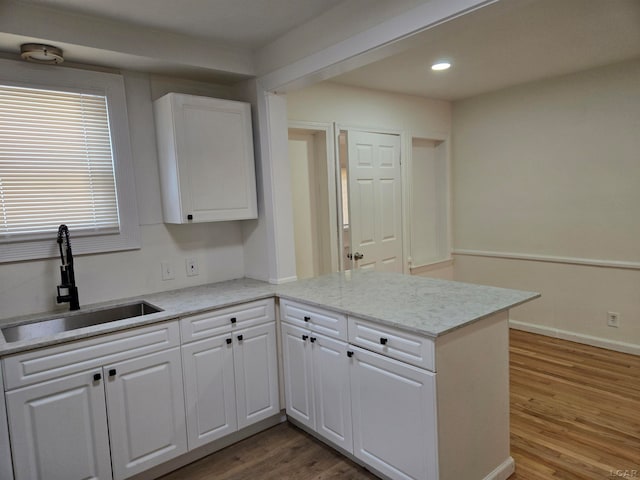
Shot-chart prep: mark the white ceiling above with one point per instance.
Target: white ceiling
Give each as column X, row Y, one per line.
column 242, row 23
column 508, row 43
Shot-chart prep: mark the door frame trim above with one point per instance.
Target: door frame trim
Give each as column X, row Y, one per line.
column 330, row 147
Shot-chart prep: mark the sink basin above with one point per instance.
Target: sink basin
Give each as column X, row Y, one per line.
column 73, row 321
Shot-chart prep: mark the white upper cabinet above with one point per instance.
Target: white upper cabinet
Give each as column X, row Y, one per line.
column 205, row 150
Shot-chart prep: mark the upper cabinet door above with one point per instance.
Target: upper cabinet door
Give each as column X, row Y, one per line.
column 205, row 149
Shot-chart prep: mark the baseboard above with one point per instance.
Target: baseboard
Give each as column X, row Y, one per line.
column 576, row 337
column 280, row 281
column 502, row 471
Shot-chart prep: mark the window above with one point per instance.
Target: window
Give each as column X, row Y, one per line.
column 55, row 163
column 64, row 158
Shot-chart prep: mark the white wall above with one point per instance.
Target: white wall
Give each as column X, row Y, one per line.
column 349, row 106
column 29, row 287
column 356, row 107
column 551, row 171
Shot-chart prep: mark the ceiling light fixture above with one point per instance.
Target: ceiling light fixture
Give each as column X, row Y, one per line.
column 440, row 66
column 40, row 53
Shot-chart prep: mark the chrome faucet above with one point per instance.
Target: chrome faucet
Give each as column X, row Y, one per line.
column 67, row 290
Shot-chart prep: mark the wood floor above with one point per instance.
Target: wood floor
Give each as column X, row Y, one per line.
column 575, row 410
column 575, row 415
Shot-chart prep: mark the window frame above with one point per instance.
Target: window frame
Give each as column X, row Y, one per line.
column 111, row 85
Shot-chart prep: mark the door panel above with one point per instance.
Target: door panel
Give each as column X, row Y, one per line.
column 298, row 374
column 375, row 200
column 332, row 391
column 145, row 403
column 256, row 371
column 210, row 390
column 59, row 430
column 394, row 400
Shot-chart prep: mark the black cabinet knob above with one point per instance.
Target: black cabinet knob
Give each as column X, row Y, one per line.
column 189, row 217
column 304, row 337
column 97, row 377
column 233, row 319
column 229, row 341
column 112, row 372
column 383, row 341
column 349, row 353
column 306, row 319
column 313, row 339
column 240, row 337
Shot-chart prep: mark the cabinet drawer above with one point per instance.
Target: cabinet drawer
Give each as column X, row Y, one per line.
column 216, row 322
column 317, row 319
column 394, row 343
column 38, row 365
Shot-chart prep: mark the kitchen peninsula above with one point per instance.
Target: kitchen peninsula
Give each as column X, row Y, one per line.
column 407, row 375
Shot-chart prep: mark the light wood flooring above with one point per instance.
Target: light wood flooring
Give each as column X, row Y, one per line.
column 575, row 415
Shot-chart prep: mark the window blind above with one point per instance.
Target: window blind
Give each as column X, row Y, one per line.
column 56, row 163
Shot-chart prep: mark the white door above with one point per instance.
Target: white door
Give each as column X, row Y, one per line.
column 332, row 391
column 298, row 374
column 59, row 429
column 256, row 372
column 145, row 401
column 394, row 416
column 375, row 201
column 210, row 390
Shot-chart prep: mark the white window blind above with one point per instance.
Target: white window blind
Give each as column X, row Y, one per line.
column 56, row 163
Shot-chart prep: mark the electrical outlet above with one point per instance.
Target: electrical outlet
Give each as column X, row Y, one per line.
column 613, row 319
column 167, row 271
column 192, row 267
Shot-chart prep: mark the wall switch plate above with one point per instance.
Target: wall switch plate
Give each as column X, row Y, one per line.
column 167, row 271
column 613, row 319
column 192, row 267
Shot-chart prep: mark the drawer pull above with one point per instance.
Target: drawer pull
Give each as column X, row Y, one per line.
column 313, row 339
column 229, row 341
column 240, row 337
column 233, row 319
column 306, row 319
column 349, row 353
column 112, row 372
column 304, row 337
column 97, row 377
column 383, row 341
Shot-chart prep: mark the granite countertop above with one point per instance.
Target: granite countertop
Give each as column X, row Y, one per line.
column 424, row 305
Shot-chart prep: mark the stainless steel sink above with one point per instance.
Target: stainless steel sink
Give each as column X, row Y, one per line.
column 73, row 321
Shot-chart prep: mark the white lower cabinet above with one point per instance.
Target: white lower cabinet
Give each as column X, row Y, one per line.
column 394, row 416
column 59, row 429
column 210, row 391
column 115, row 418
column 145, row 404
column 231, row 381
column 316, row 378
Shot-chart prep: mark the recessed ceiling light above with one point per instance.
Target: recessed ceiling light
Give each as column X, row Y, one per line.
column 440, row 66
column 40, row 53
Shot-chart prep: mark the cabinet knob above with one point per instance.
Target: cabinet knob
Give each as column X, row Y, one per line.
column 233, row 319
column 383, row 341
column 304, row 337
column 97, row 377
column 240, row 338
column 313, row 339
column 189, row 217
column 112, row 372
column 349, row 353
column 306, row 319
column 229, row 341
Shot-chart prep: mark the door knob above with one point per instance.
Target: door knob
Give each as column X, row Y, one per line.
column 358, row 256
